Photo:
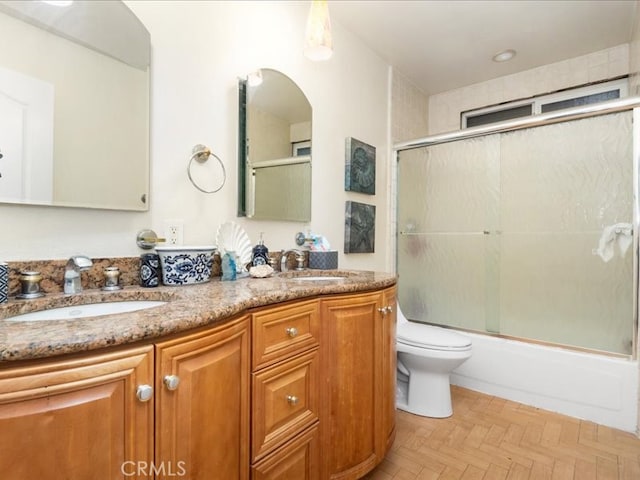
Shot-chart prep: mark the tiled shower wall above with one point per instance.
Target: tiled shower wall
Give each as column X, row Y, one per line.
column 409, row 110
column 445, row 108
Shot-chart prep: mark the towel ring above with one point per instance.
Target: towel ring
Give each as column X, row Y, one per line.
column 201, row 153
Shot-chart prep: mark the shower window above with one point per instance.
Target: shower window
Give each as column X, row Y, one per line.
column 498, row 233
column 573, row 97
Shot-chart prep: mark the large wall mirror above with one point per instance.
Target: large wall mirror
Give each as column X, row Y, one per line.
column 74, row 105
column 274, row 151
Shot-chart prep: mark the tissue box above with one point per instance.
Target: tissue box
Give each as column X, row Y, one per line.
column 323, row 260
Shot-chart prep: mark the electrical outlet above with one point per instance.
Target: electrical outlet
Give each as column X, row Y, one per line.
column 173, row 232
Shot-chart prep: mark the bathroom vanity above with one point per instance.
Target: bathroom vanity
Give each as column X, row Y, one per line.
column 277, row 378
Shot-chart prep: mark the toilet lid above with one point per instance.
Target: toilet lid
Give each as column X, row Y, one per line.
column 428, row 336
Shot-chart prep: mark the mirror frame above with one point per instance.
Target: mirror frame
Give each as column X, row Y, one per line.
column 243, row 152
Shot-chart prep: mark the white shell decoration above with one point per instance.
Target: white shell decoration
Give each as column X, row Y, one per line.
column 261, row 271
column 231, row 237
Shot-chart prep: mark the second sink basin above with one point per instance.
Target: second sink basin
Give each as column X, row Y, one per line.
column 83, row 311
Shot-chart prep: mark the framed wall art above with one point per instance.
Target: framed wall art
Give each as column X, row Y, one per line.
column 360, row 167
column 359, row 228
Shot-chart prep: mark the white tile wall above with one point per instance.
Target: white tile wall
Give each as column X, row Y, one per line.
column 409, row 110
column 445, row 108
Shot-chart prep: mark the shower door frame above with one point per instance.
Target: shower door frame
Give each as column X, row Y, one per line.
column 629, row 103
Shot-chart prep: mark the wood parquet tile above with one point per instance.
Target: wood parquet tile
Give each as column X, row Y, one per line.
column 489, row 438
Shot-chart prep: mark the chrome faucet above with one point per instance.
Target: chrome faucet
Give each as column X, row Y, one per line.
column 75, row 265
column 299, row 259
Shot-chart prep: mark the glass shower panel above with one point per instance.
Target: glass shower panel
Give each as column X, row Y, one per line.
column 447, row 199
column 561, row 185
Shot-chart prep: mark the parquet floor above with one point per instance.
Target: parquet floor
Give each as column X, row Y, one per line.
column 489, row 438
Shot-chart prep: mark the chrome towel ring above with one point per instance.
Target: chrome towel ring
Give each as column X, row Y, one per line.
column 201, row 153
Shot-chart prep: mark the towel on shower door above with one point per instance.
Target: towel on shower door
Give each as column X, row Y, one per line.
column 620, row 234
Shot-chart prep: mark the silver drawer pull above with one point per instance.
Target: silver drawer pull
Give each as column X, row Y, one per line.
column 292, row 400
column 144, row 393
column 171, row 381
column 292, row 332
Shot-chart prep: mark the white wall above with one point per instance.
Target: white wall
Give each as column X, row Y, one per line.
column 199, row 49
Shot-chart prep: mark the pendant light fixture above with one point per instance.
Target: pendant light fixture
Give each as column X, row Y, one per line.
column 318, row 44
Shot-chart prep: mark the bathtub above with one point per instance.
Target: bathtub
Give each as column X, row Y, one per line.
column 588, row 386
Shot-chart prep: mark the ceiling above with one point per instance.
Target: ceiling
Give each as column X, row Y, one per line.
column 442, row 45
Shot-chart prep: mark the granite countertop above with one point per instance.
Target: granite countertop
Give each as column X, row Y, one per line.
column 187, row 307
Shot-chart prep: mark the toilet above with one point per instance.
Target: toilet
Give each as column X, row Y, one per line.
column 426, row 357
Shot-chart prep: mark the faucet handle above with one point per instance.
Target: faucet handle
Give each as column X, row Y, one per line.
column 299, row 259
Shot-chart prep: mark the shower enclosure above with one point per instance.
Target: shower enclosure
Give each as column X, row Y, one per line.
column 526, row 229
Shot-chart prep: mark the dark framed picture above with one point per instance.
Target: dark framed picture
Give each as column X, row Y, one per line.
column 359, row 228
column 360, row 167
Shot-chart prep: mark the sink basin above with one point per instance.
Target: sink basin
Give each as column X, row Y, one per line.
column 83, row 311
column 318, row 279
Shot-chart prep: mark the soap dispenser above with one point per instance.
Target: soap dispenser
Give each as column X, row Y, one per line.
column 260, row 254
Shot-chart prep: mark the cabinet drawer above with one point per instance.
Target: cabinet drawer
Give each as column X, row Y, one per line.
column 297, row 459
column 285, row 402
column 284, row 331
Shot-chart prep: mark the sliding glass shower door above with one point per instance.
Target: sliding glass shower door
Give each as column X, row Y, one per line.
column 500, row 233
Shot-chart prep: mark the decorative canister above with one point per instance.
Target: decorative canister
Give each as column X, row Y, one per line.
column 185, row 265
column 4, row 282
column 149, row 270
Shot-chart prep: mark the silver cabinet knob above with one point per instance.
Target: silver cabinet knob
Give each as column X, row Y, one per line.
column 292, row 400
column 292, row 332
column 171, row 381
column 144, row 393
column 383, row 310
column 389, row 309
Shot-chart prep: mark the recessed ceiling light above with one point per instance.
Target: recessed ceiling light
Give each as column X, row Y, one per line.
column 504, row 56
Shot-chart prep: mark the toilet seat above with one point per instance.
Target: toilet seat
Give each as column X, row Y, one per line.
column 429, row 337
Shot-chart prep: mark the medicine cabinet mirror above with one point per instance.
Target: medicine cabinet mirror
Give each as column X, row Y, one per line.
column 274, row 154
column 74, row 105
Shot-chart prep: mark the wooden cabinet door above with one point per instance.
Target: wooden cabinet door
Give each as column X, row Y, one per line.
column 76, row 418
column 389, row 369
column 352, row 363
column 202, row 426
